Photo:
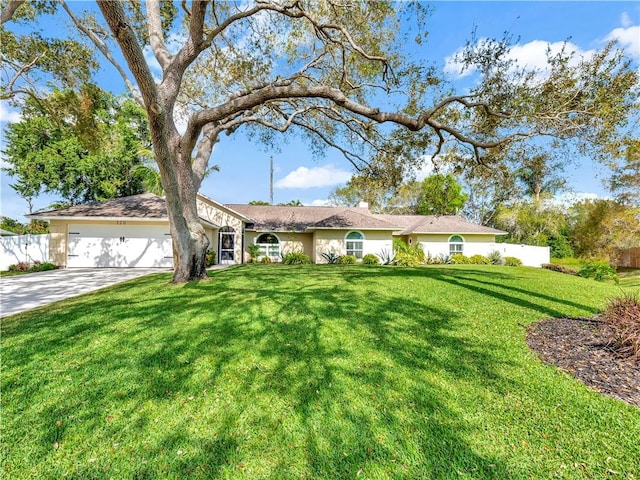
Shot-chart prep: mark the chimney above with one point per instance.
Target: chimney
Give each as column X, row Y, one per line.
column 363, row 205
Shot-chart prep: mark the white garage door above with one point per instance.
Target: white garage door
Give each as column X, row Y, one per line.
column 119, row 246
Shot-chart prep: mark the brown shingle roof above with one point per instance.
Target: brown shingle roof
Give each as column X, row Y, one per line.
column 415, row 224
column 349, row 218
column 145, row 205
column 274, row 218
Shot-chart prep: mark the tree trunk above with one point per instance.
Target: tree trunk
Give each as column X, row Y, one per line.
column 189, row 249
column 190, row 242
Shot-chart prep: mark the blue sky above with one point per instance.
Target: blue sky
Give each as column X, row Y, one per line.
column 244, row 165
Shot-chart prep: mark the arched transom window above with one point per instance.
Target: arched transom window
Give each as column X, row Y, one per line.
column 269, row 246
column 355, row 243
column 456, row 245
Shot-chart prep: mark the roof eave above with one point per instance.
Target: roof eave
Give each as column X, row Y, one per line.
column 230, row 210
column 451, row 232
column 271, row 230
column 111, row 219
column 97, row 217
column 352, row 228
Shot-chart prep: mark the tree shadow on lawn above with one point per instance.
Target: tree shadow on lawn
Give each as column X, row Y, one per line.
column 485, row 283
column 319, row 381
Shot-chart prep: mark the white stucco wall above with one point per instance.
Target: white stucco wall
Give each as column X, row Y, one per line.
column 289, row 242
column 23, row 248
column 334, row 240
column 436, row 244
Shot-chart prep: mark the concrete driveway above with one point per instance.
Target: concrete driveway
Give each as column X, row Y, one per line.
column 24, row 292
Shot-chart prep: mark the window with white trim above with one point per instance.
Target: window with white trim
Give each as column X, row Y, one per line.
column 355, row 244
column 269, row 246
column 456, row 245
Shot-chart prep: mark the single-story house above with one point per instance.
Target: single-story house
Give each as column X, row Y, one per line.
column 134, row 232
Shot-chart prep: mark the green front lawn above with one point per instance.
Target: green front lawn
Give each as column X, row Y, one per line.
column 312, row 372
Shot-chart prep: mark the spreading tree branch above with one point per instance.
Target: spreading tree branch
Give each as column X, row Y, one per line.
column 102, row 47
column 9, row 10
column 156, row 36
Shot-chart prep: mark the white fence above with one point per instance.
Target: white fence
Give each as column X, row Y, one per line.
column 530, row 255
column 23, row 248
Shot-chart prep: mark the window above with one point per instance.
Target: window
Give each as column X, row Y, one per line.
column 355, row 242
column 269, row 246
column 456, row 245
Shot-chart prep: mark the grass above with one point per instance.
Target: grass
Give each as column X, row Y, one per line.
column 629, row 277
column 310, row 372
column 10, row 273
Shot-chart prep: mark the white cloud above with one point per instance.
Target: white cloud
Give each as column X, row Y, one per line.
column 531, row 56
column 303, row 177
column 571, row 198
column 8, row 115
column 430, row 166
column 320, row 202
column 628, row 38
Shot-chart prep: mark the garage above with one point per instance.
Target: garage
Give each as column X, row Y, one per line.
column 119, row 245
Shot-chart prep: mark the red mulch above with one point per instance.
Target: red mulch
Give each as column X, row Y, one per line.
column 580, row 346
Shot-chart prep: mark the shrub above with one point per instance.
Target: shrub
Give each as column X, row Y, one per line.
column 459, row 259
column 559, row 268
column 19, row 267
column 386, row 256
column 495, row 258
column 296, row 258
column 265, row 259
column 414, row 251
column 512, row 262
column 36, row 267
column 406, row 259
column 479, row 260
column 347, row 260
column 442, row 259
column 370, row 259
column 43, row 266
column 331, row 257
column 210, row 258
column 599, row 272
column 254, row 252
column 622, row 315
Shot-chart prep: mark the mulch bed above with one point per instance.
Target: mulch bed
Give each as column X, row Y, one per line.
column 580, row 346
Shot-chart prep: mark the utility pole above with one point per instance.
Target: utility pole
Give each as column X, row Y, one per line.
column 271, row 180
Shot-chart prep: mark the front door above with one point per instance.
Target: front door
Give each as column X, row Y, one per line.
column 227, row 242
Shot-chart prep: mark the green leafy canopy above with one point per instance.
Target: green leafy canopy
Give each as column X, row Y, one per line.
column 83, row 146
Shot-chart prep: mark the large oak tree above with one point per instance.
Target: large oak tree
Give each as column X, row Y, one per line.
column 338, row 72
